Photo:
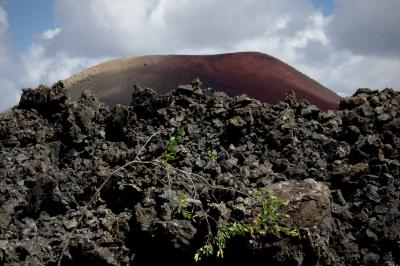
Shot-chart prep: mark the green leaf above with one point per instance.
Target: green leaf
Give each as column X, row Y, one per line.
column 267, row 222
column 205, row 250
column 180, row 132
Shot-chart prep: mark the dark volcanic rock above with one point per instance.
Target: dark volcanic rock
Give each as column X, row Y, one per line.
column 310, row 211
column 338, row 169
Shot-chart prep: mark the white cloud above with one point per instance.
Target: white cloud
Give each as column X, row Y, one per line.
column 364, row 72
column 38, row 68
column 102, row 27
column 50, row 33
column 128, row 27
column 3, row 21
column 4, row 55
column 362, row 48
column 8, row 92
column 366, row 27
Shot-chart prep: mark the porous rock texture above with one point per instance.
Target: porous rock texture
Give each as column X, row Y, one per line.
column 339, row 170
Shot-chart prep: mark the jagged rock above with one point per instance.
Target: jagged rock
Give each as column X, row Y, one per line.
column 237, row 121
column 310, row 210
column 56, row 152
column 310, row 111
column 180, row 233
column 352, row 102
column 338, row 197
column 84, row 251
column 383, row 117
column 371, row 259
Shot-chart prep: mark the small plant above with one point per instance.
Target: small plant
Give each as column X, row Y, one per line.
column 226, row 231
column 206, row 250
column 213, row 155
column 266, row 222
column 182, row 206
column 171, row 148
column 269, row 213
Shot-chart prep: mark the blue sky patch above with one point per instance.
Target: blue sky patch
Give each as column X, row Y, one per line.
column 326, row 6
column 27, row 19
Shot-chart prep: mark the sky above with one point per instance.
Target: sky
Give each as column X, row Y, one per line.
column 343, row 44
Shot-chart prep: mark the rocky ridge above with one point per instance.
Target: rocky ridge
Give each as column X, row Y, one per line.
column 338, row 169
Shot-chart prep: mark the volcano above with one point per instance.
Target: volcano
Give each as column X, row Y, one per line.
column 258, row 75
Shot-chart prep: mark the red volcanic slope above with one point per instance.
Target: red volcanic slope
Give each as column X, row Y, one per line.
column 258, row 75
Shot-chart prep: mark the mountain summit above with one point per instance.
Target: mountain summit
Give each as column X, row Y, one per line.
column 258, row 75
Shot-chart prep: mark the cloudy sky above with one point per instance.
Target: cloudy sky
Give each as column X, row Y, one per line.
column 343, row 44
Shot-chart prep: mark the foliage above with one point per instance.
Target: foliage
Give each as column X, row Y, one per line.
column 171, row 148
column 205, row 250
column 181, row 206
column 213, row 155
column 270, row 214
column 266, row 222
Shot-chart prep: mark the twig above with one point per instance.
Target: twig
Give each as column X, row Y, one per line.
column 154, row 175
column 168, row 167
column 148, row 140
column 205, row 181
column 67, row 239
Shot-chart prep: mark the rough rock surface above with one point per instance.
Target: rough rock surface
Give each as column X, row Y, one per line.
column 339, row 170
column 310, row 212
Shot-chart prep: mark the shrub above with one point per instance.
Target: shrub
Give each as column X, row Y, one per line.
column 267, row 222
